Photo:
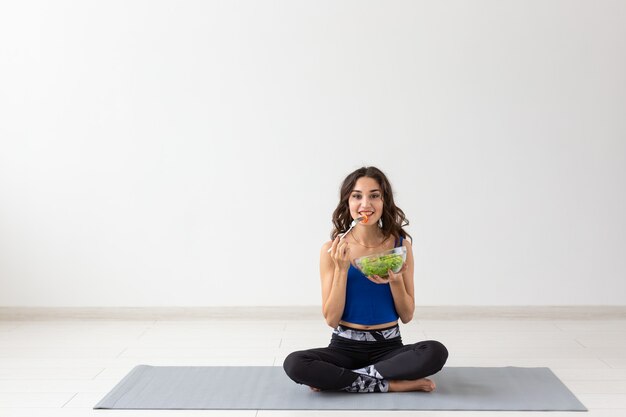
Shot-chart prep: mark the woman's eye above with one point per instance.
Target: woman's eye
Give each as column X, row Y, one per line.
column 356, row 196
column 375, row 195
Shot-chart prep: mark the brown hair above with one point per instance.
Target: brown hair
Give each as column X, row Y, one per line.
column 393, row 217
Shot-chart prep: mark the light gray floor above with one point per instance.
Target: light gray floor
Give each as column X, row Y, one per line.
column 64, row 367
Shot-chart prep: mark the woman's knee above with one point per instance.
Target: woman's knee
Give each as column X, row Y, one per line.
column 294, row 364
column 439, row 352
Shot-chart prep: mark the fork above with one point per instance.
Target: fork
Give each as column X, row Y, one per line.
column 354, row 222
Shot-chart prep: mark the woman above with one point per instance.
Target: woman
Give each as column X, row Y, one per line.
column 366, row 353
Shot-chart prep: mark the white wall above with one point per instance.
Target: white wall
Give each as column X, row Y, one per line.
column 168, row 153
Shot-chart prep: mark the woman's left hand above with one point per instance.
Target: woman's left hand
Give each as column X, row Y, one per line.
column 393, row 277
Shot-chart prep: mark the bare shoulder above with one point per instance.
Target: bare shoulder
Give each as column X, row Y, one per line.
column 326, row 261
column 409, row 250
column 325, row 247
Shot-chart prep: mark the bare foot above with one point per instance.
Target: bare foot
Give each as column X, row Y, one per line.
column 423, row 384
column 315, row 389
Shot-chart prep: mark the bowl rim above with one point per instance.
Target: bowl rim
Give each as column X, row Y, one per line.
column 397, row 249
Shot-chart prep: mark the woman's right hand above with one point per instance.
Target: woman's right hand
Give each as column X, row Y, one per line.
column 340, row 253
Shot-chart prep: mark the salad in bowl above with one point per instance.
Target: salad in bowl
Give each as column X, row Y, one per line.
column 380, row 263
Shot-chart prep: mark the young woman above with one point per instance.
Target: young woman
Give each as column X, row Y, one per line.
column 366, row 353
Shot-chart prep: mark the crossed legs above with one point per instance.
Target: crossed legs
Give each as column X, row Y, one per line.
column 399, row 369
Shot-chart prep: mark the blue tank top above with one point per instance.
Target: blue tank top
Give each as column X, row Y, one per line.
column 368, row 303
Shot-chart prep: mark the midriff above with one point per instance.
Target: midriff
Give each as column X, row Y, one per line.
column 365, row 327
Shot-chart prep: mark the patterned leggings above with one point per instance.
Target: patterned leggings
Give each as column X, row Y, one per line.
column 365, row 361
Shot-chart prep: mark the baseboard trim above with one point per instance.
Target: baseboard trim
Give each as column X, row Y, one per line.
column 289, row 313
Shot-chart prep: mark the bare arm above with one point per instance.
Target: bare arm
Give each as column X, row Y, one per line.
column 334, row 276
column 402, row 287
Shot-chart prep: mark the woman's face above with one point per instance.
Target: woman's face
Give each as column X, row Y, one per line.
column 366, row 199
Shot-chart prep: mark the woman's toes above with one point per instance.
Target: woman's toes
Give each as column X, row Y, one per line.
column 431, row 385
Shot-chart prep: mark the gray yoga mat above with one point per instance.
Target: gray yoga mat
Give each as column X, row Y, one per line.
column 268, row 388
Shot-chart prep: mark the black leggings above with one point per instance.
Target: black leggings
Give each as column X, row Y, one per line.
column 331, row 368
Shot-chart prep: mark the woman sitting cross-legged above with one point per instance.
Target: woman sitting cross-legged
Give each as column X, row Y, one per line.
column 366, row 353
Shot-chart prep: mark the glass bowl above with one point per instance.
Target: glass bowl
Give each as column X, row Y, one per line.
column 380, row 263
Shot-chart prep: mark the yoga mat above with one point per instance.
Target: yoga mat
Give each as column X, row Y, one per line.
column 269, row 388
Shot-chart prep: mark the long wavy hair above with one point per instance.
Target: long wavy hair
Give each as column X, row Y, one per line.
column 393, row 217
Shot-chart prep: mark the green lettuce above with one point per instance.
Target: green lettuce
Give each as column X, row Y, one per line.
column 379, row 266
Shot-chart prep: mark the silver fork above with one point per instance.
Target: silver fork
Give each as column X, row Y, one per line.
column 354, row 222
